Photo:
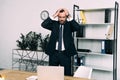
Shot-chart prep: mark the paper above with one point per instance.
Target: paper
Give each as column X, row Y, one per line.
column 32, row 78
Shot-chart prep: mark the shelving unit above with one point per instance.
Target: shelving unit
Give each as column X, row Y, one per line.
column 97, row 40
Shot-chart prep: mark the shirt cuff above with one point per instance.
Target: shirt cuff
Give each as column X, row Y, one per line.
column 51, row 18
column 70, row 19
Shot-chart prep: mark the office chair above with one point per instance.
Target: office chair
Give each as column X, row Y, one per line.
column 83, row 72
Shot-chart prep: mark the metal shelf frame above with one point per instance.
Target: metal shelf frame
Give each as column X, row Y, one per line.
column 28, row 60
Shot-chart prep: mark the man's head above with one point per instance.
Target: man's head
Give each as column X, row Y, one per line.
column 62, row 17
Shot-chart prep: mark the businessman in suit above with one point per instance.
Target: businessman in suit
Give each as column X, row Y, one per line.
column 61, row 44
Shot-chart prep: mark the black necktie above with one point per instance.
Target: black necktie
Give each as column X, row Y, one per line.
column 60, row 39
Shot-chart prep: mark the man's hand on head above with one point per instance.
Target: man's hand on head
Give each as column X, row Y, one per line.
column 62, row 10
column 66, row 12
column 56, row 13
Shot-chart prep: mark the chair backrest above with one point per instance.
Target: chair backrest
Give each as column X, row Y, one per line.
column 83, row 72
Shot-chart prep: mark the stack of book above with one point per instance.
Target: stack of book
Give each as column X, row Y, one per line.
column 107, row 47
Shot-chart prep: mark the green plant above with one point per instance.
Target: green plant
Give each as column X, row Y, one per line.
column 44, row 41
column 32, row 41
column 22, row 44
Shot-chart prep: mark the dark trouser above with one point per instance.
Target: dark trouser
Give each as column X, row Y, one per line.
column 62, row 60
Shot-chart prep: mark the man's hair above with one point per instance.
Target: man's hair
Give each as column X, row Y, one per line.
column 62, row 10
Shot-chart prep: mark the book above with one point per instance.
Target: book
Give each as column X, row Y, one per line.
column 78, row 17
column 81, row 32
column 107, row 47
column 109, row 31
column 107, row 15
column 84, row 50
column 103, row 47
column 82, row 17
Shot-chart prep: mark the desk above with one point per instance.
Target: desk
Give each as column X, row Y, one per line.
column 22, row 75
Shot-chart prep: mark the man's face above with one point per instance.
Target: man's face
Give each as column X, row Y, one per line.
column 62, row 17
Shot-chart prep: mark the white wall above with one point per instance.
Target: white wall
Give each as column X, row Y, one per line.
column 22, row 16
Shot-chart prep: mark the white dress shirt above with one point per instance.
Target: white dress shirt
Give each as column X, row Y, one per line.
column 63, row 47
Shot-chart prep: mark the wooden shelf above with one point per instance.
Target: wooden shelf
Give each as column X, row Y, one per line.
column 94, row 53
column 100, row 68
column 85, row 38
column 96, row 24
column 95, row 9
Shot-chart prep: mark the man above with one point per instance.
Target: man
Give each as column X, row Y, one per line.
column 61, row 56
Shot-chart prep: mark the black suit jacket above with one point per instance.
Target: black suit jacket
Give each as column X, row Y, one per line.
column 69, row 27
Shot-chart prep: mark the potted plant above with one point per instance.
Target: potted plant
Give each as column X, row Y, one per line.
column 33, row 41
